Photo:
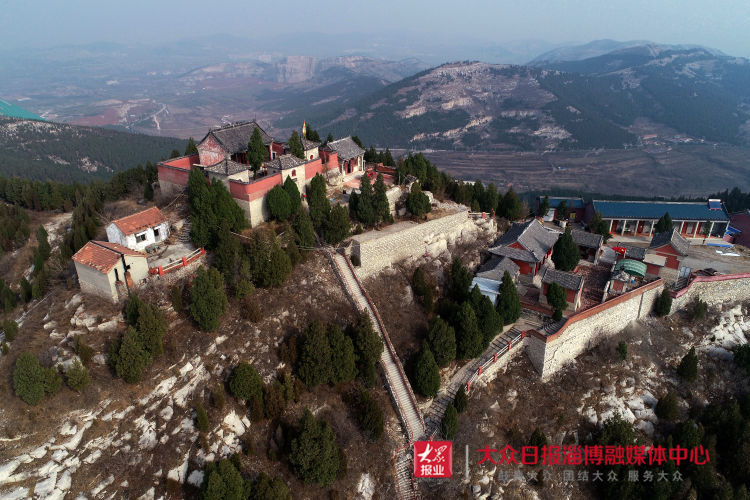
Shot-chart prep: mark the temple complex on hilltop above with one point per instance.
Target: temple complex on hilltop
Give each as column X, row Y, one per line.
column 222, row 154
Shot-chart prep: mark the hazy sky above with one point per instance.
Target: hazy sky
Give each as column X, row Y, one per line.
column 721, row 24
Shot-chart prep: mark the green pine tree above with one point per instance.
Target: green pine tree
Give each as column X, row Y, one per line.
column 295, row 145
column 664, row 224
column 427, row 373
column 565, row 253
column 314, row 365
column 304, row 230
column 292, row 191
column 318, row 202
column 278, row 203
column 191, row 148
column 543, row 207
column 365, row 209
column 469, row 339
column 314, row 453
column 449, row 424
column 380, row 201
column 338, row 226
column 442, row 340
column 132, row 358
column 257, row 152
column 508, row 303
column 343, row 360
column 417, row 203
column 209, row 299
column 557, row 298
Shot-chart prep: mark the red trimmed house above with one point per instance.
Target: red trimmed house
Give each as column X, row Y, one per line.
column 527, row 244
column 228, row 147
column 670, row 245
column 571, row 283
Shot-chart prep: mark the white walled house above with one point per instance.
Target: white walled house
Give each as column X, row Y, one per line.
column 140, row 230
column 109, row 270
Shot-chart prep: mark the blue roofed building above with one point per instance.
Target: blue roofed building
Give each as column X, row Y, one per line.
column 638, row 218
column 576, row 207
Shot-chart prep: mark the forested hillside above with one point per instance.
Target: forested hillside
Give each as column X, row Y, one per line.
column 40, row 150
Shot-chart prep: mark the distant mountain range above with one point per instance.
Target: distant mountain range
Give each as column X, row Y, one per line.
column 602, row 101
column 600, row 94
column 41, row 150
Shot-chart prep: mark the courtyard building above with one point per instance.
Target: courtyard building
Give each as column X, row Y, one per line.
column 527, row 244
column 570, row 282
column 638, row 218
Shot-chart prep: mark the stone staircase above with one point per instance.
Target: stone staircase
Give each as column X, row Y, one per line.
column 184, row 233
column 444, row 398
column 398, row 385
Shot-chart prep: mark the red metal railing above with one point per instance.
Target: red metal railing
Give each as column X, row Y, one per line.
column 178, row 264
column 388, row 342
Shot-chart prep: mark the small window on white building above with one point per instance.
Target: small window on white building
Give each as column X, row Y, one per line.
column 294, row 173
column 139, row 238
column 156, row 233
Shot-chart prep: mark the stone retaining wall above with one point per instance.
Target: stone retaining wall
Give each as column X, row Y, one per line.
column 585, row 330
column 714, row 290
column 378, row 250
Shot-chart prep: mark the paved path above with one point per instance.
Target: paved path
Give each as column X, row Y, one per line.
column 398, row 384
column 440, row 403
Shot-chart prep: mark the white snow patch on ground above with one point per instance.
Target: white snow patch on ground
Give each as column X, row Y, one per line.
column 46, row 486
column 148, row 433
column 149, row 495
column 195, row 478
column 179, row 473
column 100, row 487
column 233, row 423
column 365, row 487
column 18, row 493
column 199, row 376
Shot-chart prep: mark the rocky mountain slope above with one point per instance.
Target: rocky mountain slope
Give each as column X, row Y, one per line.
column 43, row 150
column 582, row 104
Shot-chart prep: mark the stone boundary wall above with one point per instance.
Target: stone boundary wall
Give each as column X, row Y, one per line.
column 714, row 290
column 585, row 330
column 413, row 241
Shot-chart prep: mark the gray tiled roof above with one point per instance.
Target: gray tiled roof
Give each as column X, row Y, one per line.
column 566, row 280
column 226, row 167
column 514, row 253
column 308, row 145
column 532, row 236
column 284, row 162
column 495, row 268
column 671, row 238
column 633, row 252
column 346, row 148
column 235, row 137
column 586, row 239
